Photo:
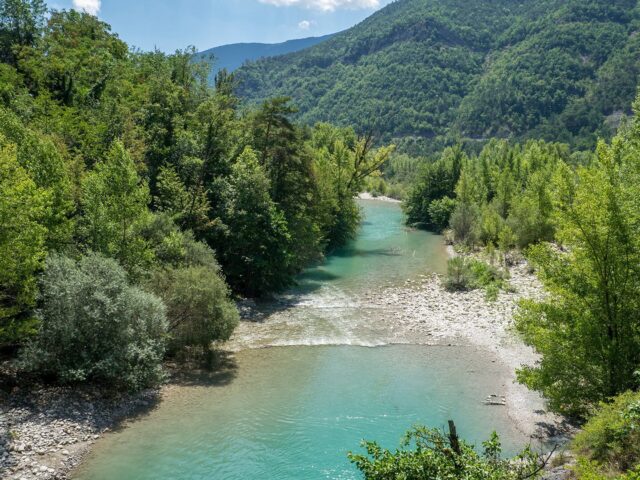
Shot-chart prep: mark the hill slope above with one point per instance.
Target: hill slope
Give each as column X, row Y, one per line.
column 233, row 56
column 423, row 72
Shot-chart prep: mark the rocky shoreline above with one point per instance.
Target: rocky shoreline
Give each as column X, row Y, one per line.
column 380, row 198
column 46, row 432
column 426, row 309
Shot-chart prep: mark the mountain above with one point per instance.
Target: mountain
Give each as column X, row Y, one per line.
column 233, row 56
column 425, row 73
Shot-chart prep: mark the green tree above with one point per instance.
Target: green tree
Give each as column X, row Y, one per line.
column 465, row 217
column 199, row 308
column 190, row 208
column 440, row 212
column 114, row 202
column 588, row 331
column 435, row 182
column 610, row 440
column 44, row 163
column 282, row 153
column 255, row 250
column 94, row 326
column 76, row 60
column 276, row 139
column 23, row 206
column 342, row 164
column 190, row 282
column 530, row 215
column 21, row 22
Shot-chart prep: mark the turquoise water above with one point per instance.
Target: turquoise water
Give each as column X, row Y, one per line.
column 293, row 413
column 385, row 252
column 294, row 410
column 335, row 302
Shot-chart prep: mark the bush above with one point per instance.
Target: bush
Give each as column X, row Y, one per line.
column 199, row 308
column 174, row 247
column 610, row 440
column 440, row 212
column 440, row 456
column 458, row 274
column 96, row 327
column 397, row 191
column 470, row 274
column 464, row 223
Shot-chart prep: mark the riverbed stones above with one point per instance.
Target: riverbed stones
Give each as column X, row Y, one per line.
column 44, row 432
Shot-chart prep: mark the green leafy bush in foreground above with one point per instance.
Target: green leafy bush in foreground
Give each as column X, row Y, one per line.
column 609, row 444
column 97, row 327
column 428, row 454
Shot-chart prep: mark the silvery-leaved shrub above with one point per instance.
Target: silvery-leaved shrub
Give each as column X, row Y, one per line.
column 96, row 327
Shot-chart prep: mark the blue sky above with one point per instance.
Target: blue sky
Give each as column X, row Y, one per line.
column 172, row 24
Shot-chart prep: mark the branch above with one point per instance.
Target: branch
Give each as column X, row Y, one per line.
column 542, row 466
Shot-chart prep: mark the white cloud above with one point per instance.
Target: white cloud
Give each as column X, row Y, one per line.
column 90, row 6
column 325, row 5
column 305, row 24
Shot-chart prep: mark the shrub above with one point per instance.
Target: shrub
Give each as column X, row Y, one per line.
column 470, row 274
column 464, row 223
column 506, row 239
column 96, row 327
column 199, row 308
column 174, row 247
column 440, row 212
column 397, row 191
column 436, row 455
column 610, row 439
column 458, row 274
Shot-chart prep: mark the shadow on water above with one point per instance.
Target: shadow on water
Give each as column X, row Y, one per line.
column 223, row 371
column 316, row 275
column 373, row 252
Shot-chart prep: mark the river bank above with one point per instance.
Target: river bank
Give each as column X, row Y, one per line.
column 425, row 308
column 47, row 433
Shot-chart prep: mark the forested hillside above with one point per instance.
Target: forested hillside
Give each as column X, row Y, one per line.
column 426, row 73
column 233, row 56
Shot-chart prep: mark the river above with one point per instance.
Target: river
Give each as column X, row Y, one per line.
column 337, row 371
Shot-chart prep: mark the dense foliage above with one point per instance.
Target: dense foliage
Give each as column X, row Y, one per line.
column 427, row 72
column 576, row 219
column 427, row 454
column 96, row 326
column 588, row 331
column 609, row 443
column 501, row 197
column 130, row 163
